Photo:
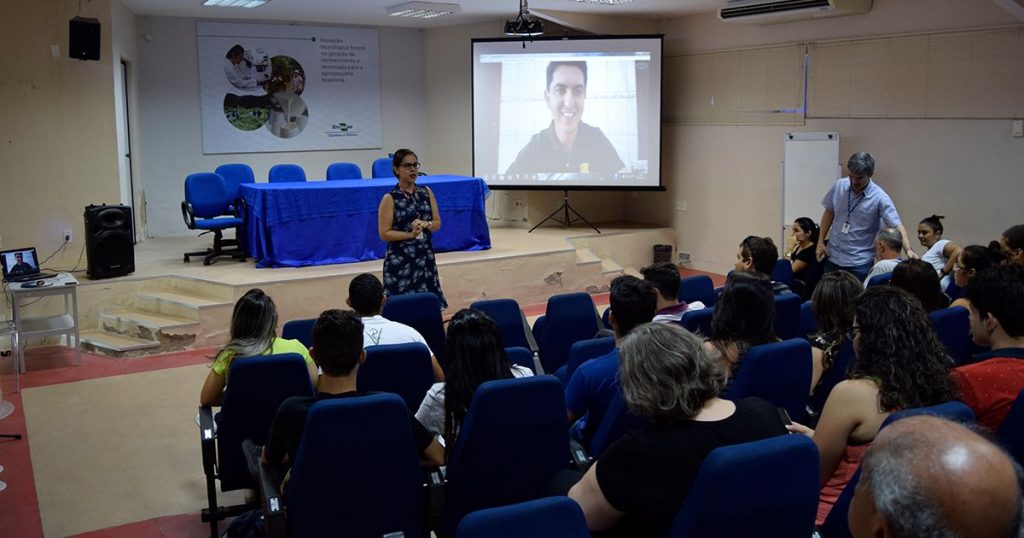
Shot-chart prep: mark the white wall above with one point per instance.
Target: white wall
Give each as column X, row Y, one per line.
column 729, row 177
column 170, row 134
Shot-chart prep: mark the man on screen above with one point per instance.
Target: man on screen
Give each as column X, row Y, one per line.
column 20, row 267
column 567, row 145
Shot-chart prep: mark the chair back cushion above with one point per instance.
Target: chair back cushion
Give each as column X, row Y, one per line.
column 509, row 317
column 299, row 329
column 787, row 316
column 832, row 376
column 286, row 173
column 514, row 438
column 697, row 288
column 808, row 323
column 571, row 317
column 880, row 280
column 421, row 311
column 356, row 471
column 344, row 171
column 235, row 175
column 258, row 386
column 402, row 369
column 382, row 168
column 774, row 480
column 208, row 195
column 779, row 372
column 520, row 356
column 698, row 321
column 583, row 351
column 783, row 272
column 953, row 327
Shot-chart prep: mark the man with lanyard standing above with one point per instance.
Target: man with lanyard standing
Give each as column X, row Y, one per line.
column 858, row 208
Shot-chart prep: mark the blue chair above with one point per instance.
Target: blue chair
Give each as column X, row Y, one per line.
column 618, row 420
column 783, row 272
column 206, row 202
column 953, row 327
column 382, row 168
column 775, row 481
column 698, row 321
column 357, row 469
column 808, row 323
column 344, row 171
column 1011, row 431
column 421, row 311
column 520, row 356
column 515, row 330
column 570, row 317
column 235, row 175
column 697, row 288
column 880, row 280
column 787, row 316
column 835, row 524
column 286, row 173
column 583, row 351
column 513, row 440
column 606, row 318
column 779, row 372
column 256, row 388
column 832, row 377
column 404, row 369
column 299, row 329
column 551, row 517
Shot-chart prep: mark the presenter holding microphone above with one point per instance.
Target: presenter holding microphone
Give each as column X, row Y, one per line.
column 406, row 219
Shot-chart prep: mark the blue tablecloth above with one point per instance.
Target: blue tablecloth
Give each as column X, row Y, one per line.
column 324, row 222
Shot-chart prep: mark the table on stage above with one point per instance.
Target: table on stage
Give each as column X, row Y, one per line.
column 324, row 222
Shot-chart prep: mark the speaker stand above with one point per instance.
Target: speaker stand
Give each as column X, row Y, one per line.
column 566, row 221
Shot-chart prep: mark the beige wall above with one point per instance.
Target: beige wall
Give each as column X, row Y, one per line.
column 729, row 178
column 57, row 153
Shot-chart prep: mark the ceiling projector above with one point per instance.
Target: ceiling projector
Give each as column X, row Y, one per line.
column 524, row 24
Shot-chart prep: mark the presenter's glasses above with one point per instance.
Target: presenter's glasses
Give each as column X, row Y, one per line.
column 410, row 166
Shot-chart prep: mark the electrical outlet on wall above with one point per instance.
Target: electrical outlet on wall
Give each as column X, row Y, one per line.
column 67, row 235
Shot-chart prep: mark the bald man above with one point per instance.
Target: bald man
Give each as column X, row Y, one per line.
column 925, row 476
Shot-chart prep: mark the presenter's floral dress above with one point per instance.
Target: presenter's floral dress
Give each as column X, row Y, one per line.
column 409, row 266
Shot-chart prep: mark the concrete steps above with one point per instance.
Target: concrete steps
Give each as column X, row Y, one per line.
column 116, row 345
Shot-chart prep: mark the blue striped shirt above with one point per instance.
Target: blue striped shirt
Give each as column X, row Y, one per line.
column 866, row 213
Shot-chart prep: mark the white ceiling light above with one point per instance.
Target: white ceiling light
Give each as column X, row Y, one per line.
column 234, row 3
column 423, row 10
column 605, row 2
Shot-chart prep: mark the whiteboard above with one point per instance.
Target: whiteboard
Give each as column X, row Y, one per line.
column 810, row 165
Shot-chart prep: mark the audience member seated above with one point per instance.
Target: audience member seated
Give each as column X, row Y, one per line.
column 744, row 317
column 888, row 245
column 900, row 364
column 990, row 385
column 593, row 384
column 972, row 260
column 664, row 277
column 759, row 254
column 338, row 350
column 253, row 332
column 832, row 304
column 919, row 279
column 638, row 484
column 1013, row 244
column 476, row 354
column 806, row 267
column 366, row 297
column 940, row 253
column 926, row 476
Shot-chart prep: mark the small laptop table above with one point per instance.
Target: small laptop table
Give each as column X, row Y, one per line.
column 65, row 323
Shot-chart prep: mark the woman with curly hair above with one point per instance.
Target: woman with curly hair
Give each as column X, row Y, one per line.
column 900, row 364
column 744, row 317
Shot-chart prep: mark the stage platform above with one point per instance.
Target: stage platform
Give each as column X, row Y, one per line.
column 170, row 305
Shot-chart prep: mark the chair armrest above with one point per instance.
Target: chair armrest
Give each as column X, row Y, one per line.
column 188, row 214
column 239, row 206
column 207, row 440
column 581, row 461
column 269, row 485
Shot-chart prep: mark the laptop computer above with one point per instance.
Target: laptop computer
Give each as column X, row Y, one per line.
column 21, row 265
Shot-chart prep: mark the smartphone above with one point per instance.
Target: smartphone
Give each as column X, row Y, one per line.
column 784, row 416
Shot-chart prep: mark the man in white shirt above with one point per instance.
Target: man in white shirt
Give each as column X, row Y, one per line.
column 888, row 246
column 366, row 297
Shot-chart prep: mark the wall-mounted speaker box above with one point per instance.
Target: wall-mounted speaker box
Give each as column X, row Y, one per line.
column 109, row 242
column 84, row 38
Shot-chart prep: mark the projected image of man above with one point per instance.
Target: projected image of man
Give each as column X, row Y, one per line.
column 567, row 145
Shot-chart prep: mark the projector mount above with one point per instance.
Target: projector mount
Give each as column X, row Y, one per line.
column 524, row 25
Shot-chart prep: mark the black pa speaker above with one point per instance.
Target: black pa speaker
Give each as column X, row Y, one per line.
column 84, row 38
column 109, row 244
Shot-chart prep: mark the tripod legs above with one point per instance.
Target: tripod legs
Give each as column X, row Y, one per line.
column 565, row 208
